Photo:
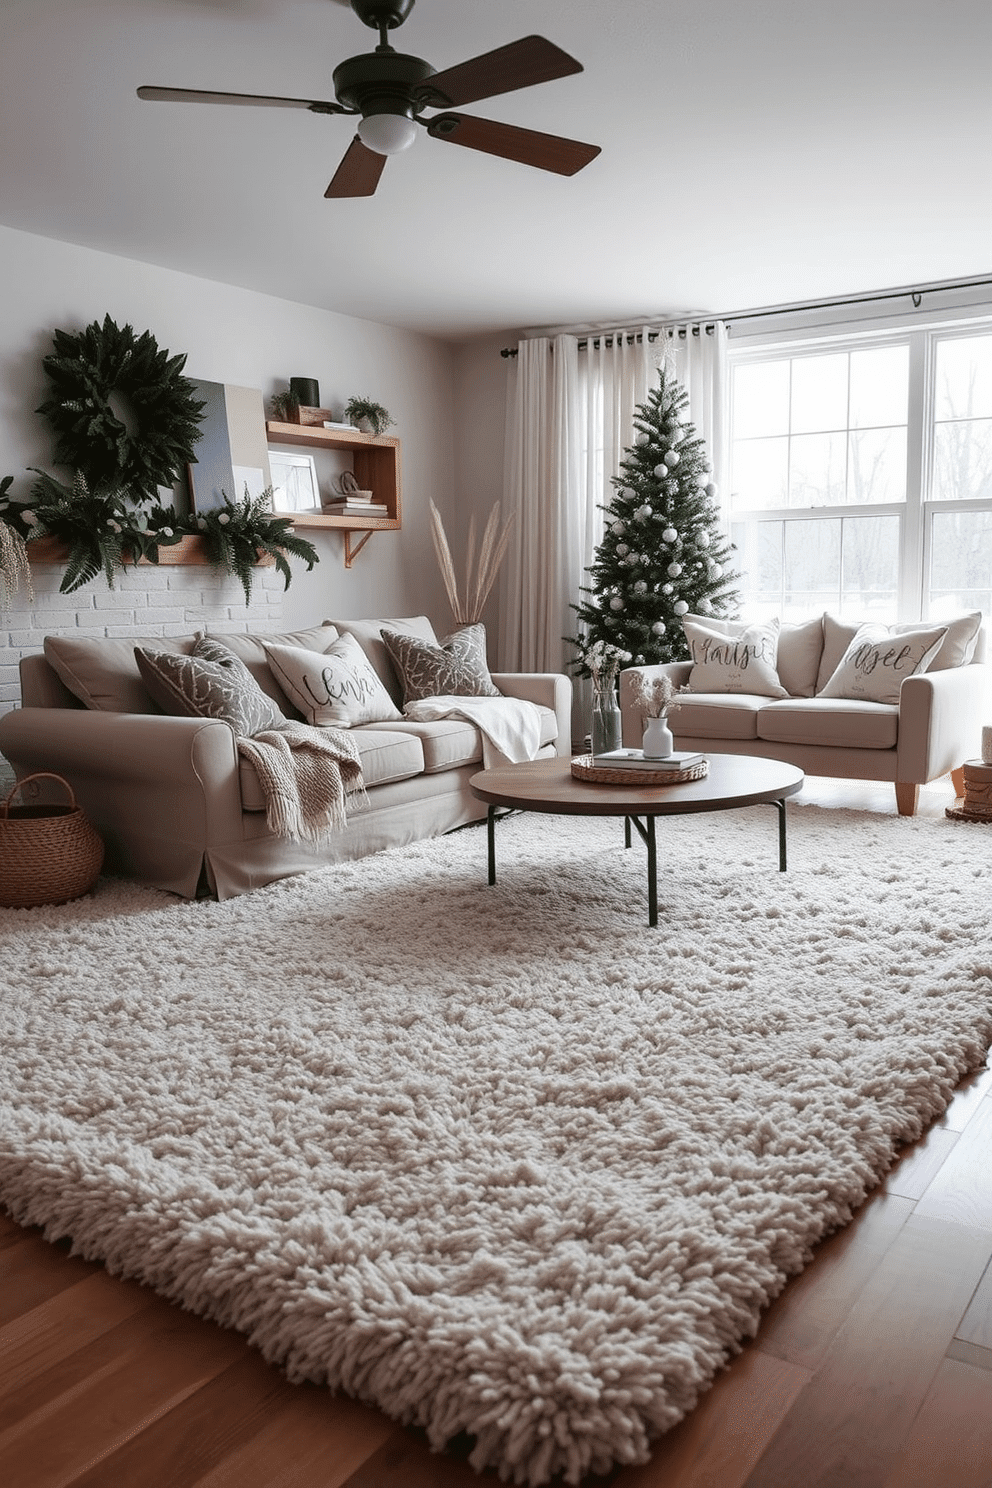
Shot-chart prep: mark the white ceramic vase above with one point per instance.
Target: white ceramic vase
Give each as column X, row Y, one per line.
column 658, row 741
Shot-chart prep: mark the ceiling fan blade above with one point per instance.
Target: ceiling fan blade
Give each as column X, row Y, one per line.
column 197, row 95
column 548, row 152
column 521, row 64
column 359, row 171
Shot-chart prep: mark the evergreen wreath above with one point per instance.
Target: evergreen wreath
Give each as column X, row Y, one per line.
column 86, row 369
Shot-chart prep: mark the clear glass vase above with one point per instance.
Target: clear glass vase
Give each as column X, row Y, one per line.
column 605, row 723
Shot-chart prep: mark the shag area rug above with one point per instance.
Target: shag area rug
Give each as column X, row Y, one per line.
column 503, row 1161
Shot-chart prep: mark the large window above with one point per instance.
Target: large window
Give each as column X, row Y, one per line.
column 861, row 475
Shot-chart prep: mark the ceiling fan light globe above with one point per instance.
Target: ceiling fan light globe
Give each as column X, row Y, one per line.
column 387, row 134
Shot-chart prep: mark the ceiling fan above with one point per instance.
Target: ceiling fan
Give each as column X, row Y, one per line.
column 390, row 91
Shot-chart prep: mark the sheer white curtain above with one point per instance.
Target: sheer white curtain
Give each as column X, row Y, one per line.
column 571, row 415
column 570, row 418
column 697, row 354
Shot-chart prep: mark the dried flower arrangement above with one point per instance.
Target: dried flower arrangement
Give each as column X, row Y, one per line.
column 480, row 573
column 654, row 697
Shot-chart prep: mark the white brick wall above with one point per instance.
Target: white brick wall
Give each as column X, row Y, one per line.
column 144, row 601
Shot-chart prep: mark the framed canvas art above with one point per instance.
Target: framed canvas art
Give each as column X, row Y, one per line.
column 294, row 482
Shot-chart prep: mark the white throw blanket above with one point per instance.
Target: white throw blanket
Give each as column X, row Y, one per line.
column 510, row 727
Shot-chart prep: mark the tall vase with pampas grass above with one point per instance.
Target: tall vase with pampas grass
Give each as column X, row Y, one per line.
column 15, row 569
column 480, row 569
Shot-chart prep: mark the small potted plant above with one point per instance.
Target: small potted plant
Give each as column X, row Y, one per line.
column 365, row 414
column 285, row 407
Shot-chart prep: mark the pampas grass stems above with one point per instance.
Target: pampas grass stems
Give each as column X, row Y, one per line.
column 480, row 570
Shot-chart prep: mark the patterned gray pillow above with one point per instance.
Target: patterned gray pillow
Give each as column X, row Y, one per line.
column 455, row 668
column 210, row 683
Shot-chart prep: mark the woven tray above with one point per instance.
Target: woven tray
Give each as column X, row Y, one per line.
column 961, row 813
column 584, row 769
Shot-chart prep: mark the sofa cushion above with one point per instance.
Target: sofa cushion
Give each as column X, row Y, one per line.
column 337, row 687
column 208, row 686
column 368, row 634
column 251, row 650
column 741, row 663
column 877, row 661
column 958, row 646
column 841, row 722
column 102, row 671
column 386, row 755
column 454, row 667
column 447, row 743
column 717, row 716
column 800, row 646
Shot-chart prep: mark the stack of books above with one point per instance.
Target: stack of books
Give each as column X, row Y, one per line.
column 635, row 759
column 361, row 505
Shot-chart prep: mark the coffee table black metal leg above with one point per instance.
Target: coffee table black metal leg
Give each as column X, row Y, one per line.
column 781, row 835
column 626, row 831
column 491, row 831
column 645, row 831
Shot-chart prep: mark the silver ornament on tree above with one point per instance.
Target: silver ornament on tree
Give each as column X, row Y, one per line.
column 661, row 471
column 640, row 587
column 617, row 528
column 643, row 512
column 703, row 540
column 668, row 588
column 674, row 569
column 659, row 628
column 712, row 489
column 616, row 603
column 672, row 457
column 640, row 438
column 669, row 535
column 680, row 607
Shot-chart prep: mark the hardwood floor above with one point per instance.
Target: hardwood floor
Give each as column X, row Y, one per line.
column 873, row 1369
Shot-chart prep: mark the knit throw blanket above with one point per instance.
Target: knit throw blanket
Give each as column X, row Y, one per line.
column 305, row 774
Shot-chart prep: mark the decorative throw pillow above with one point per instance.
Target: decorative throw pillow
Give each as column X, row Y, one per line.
column 800, row 646
column 102, row 672
column 251, row 650
column 338, row 686
column 743, row 663
column 879, row 659
column 196, row 687
column 455, row 668
column 958, row 646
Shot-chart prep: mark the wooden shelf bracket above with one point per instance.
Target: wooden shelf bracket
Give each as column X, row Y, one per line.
column 352, row 549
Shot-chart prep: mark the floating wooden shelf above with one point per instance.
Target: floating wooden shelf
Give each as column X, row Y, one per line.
column 187, row 552
column 376, row 460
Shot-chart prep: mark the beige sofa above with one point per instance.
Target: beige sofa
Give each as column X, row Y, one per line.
column 179, row 809
column 933, row 729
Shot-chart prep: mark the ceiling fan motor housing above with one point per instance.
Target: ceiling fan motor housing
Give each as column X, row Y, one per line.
column 381, row 83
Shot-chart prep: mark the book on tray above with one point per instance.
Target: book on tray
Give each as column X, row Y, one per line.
column 635, row 759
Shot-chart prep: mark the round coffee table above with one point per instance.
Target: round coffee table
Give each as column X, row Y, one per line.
column 548, row 785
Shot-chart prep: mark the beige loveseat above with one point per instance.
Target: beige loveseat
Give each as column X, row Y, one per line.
column 935, row 726
column 179, row 809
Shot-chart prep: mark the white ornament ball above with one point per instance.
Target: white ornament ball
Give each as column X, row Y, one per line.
column 669, row 535
column 674, row 569
column 705, row 606
column 616, row 603
column 642, row 513
column 628, row 494
column 716, row 569
column 640, row 587
column 672, row 457
column 641, row 438
column 712, row 489
column 622, row 548
column 658, row 628
column 680, row 607
column 617, row 528
column 661, row 471
column 706, row 465
column 668, row 588
column 703, row 540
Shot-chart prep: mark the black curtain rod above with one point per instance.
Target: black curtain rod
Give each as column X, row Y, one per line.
column 916, row 295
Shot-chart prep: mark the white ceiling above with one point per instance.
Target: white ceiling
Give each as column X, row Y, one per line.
column 753, row 154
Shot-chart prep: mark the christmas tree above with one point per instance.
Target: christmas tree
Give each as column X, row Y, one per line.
column 663, row 554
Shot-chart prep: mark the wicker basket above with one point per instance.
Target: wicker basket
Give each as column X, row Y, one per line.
column 48, row 854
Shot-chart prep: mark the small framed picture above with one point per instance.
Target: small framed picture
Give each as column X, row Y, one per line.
column 294, row 482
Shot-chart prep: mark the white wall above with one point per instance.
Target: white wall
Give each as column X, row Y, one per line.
column 234, row 336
